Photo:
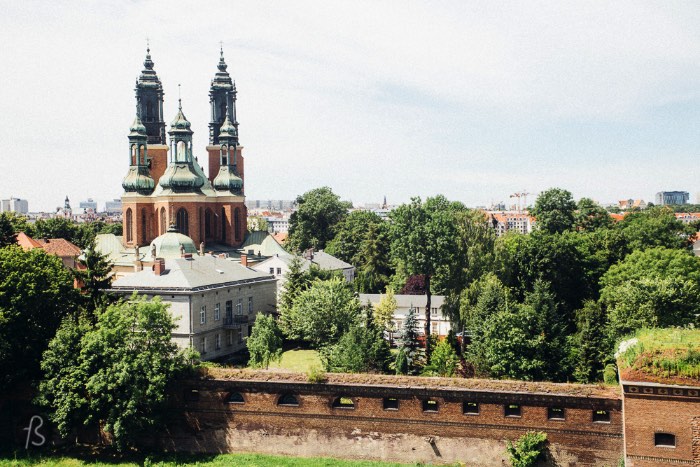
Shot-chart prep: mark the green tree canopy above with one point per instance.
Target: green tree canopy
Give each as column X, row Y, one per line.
column 554, row 210
column 115, row 374
column 350, row 233
column 314, row 223
column 383, row 312
column 322, row 313
column 409, row 358
column 655, row 227
column 362, row 349
column 264, row 342
column 443, row 361
column 591, row 216
column 36, row 292
column 94, row 279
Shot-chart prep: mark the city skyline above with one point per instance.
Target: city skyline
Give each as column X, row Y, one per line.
column 471, row 101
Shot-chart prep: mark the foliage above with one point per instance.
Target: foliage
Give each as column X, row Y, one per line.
column 590, row 345
column 296, row 281
column 655, row 227
column 658, row 287
column 314, row 222
column 408, row 357
column 113, row 374
column 384, row 310
column 591, row 216
column 322, row 313
column 373, row 260
column 8, row 236
column 414, row 285
column 94, row 279
column 264, row 342
column 610, row 374
column 362, row 349
column 423, row 240
column 443, row 361
column 257, row 224
column 36, row 292
column 351, row 232
column 554, row 210
column 663, row 353
column 315, row 375
column 528, row 449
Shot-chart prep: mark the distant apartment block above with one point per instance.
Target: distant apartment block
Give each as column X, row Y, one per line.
column 672, row 197
column 113, row 207
column 270, row 204
column 506, row 221
column 89, row 205
column 20, row 206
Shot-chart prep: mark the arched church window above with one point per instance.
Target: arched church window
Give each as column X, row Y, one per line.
column 133, row 154
column 129, row 226
column 237, row 224
column 180, row 151
column 143, row 227
column 207, row 223
column 142, row 154
column 183, row 221
column 224, row 155
column 163, row 224
column 223, row 225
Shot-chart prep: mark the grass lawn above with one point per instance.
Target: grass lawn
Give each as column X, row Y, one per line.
column 209, row 460
column 663, row 353
column 298, row 360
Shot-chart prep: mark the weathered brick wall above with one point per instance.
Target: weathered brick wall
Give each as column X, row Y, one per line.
column 653, row 408
column 203, row 420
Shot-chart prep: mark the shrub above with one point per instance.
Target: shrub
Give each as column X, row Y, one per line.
column 315, row 375
column 528, row 449
column 610, row 374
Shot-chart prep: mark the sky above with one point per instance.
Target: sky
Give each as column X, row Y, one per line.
column 475, row 100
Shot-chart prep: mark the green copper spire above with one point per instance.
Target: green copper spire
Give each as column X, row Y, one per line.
column 138, row 179
column 227, row 179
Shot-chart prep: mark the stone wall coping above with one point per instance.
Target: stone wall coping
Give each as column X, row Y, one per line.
column 657, row 385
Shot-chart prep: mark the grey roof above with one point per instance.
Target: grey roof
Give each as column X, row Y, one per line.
column 323, row 260
column 198, row 272
column 405, row 301
column 262, row 243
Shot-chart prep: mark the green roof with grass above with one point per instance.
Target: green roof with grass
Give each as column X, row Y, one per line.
column 665, row 356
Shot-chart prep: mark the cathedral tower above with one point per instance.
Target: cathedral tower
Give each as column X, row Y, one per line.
column 149, row 98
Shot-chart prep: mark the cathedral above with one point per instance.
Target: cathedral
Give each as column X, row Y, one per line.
column 165, row 187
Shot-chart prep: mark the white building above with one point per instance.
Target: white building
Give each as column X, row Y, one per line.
column 20, row 206
column 439, row 324
column 214, row 300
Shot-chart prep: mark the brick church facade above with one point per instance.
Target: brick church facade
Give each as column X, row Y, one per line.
column 165, row 184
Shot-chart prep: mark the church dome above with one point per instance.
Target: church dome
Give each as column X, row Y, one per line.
column 137, row 128
column 180, row 123
column 171, row 244
column 228, row 180
column 180, row 177
column 138, row 181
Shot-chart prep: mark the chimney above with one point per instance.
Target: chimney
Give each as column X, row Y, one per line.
column 244, row 260
column 159, row 266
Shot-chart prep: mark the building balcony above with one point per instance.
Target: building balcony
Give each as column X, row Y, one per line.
column 235, row 322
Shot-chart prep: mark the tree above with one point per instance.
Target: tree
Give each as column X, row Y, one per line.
column 56, row 227
column 313, row 224
column 591, row 216
column 113, row 375
column 408, row 358
column 264, row 342
column 322, row 313
column 296, row 280
column 362, row 349
column 384, row 310
column 351, row 232
column 649, row 288
column 423, row 239
column 653, row 228
column 257, row 223
column 8, row 236
column 36, row 292
column 94, row 279
column 554, row 210
column 373, row 260
column 443, row 361
column 590, row 347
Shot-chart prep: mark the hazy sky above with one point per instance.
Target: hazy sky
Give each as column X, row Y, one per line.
column 474, row 100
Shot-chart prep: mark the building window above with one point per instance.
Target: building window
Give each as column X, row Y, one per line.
column 343, row 402
column 279, row 271
column 183, row 221
column 229, row 309
column 203, row 315
column 203, row 345
column 430, row 405
column 433, row 328
column 250, row 304
column 223, row 225
column 288, row 400
column 235, row 398
column 129, row 226
column 229, row 337
column 217, row 312
column 272, row 270
column 664, row 440
column 239, row 307
column 470, row 408
column 391, row 403
column 601, row 416
column 433, row 312
column 556, row 413
column 237, row 224
column 218, row 342
column 240, row 336
column 512, row 410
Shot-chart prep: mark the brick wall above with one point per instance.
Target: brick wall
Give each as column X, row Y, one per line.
column 203, row 420
column 651, row 409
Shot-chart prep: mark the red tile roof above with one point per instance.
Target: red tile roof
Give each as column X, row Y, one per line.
column 60, row 247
